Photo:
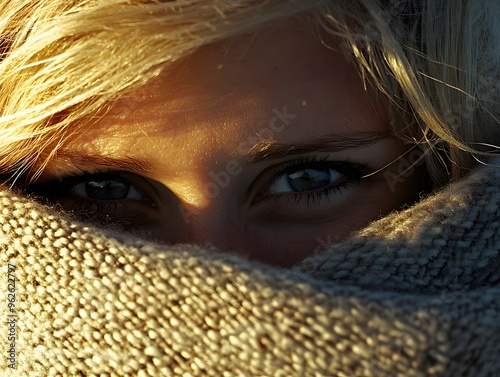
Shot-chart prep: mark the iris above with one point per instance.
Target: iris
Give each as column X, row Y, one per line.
column 309, row 179
column 110, row 189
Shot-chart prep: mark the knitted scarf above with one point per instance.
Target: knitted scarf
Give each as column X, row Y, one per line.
column 416, row 293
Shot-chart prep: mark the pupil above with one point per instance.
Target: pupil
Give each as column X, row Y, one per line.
column 107, row 190
column 309, row 179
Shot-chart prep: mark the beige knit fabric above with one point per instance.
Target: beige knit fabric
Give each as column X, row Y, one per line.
column 414, row 294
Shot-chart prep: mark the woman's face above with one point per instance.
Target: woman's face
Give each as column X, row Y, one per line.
column 257, row 144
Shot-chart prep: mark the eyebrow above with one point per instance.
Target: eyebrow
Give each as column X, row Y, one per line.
column 267, row 150
column 262, row 151
column 120, row 163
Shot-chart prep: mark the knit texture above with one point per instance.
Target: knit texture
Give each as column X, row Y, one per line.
column 413, row 294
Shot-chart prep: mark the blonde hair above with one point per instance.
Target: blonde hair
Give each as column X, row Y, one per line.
column 64, row 61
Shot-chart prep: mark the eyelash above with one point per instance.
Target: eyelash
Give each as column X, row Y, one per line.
column 354, row 173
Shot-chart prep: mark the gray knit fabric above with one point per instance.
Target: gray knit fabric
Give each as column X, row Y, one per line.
column 414, row 294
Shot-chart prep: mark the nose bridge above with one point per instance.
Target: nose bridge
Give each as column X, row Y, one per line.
column 203, row 192
column 208, row 224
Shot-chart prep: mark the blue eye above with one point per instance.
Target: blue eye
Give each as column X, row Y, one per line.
column 102, row 197
column 313, row 179
column 305, row 179
column 94, row 187
column 106, row 189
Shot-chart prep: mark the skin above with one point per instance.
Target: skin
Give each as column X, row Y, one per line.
column 184, row 139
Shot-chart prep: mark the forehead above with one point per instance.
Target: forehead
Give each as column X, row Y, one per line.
column 283, row 54
column 229, row 89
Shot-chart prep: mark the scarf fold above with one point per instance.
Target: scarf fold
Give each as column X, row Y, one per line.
column 416, row 293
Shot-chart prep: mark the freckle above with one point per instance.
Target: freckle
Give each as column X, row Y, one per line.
column 304, row 103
